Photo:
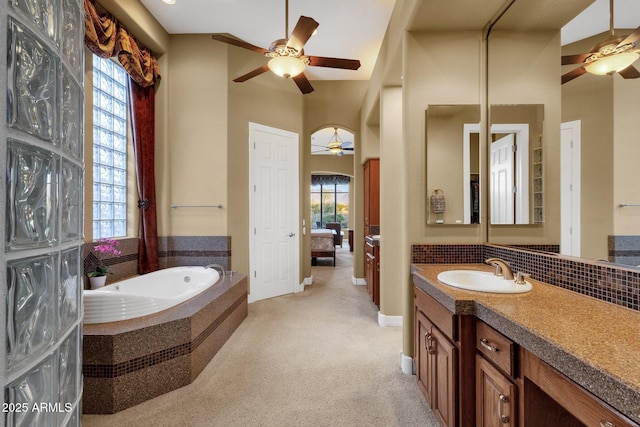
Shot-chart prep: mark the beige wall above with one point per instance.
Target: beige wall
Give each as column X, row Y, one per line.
column 196, row 158
column 394, row 249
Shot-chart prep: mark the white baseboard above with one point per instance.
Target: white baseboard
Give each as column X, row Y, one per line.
column 406, row 364
column 306, row 281
column 358, row 281
column 387, row 321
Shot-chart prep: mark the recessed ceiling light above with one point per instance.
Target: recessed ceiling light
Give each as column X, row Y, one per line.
column 169, row 1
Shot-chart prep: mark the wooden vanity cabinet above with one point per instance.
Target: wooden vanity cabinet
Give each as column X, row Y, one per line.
column 472, row 375
column 550, row 398
column 436, row 359
column 372, row 271
column 444, row 355
column 496, row 389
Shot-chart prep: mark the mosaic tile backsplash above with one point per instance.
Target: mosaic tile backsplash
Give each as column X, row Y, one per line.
column 612, row 283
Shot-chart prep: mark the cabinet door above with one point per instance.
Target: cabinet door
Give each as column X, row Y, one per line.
column 495, row 397
column 371, row 182
column 369, row 267
column 444, row 362
column 422, row 330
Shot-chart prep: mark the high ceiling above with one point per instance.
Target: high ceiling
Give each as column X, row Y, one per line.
column 351, row 29
column 355, row 28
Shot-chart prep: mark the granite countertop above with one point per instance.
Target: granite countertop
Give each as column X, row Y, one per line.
column 593, row 342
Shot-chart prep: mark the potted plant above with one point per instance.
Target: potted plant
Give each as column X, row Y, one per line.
column 104, row 247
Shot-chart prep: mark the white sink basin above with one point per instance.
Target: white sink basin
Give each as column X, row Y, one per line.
column 482, row 281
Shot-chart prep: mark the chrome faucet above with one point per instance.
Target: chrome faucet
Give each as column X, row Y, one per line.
column 502, row 268
column 217, row 267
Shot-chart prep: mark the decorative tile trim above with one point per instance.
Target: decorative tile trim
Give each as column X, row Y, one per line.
column 612, row 283
column 146, row 361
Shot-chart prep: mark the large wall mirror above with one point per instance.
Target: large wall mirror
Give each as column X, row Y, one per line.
column 453, row 164
column 589, row 144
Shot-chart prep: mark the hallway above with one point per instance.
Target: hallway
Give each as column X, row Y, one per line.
column 316, row 358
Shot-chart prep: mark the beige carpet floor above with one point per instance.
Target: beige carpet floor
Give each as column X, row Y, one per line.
column 315, row 358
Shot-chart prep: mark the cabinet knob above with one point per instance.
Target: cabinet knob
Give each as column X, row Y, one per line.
column 502, row 399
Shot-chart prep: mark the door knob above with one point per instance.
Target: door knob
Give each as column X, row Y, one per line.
column 292, row 234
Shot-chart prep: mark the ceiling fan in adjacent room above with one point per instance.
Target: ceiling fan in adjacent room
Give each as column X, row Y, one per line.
column 615, row 54
column 335, row 145
column 287, row 55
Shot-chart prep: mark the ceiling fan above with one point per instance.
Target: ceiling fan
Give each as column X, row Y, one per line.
column 615, row 54
column 287, row 55
column 335, row 145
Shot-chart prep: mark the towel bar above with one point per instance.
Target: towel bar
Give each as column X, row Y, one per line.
column 174, row 206
column 623, row 205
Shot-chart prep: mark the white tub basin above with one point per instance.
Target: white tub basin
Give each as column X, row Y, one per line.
column 482, row 281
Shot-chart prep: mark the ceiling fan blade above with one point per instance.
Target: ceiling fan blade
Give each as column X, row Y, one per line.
column 251, row 74
column 347, row 148
column 340, row 154
column 576, row 72
column 630, row 72
column 301, row 33
column 229, row 39
column 303, row 83
column 321, row 61
column 346, row 143
column 631, row 38
column 575, row 59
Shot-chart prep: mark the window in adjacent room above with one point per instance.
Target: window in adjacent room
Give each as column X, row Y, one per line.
column 109, row 149
column 329, row 200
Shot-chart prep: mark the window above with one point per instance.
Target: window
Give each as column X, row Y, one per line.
column 329, row 202
column 109, row 149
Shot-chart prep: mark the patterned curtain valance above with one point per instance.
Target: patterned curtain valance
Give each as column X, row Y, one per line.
column 329, row 179
column 106, row 37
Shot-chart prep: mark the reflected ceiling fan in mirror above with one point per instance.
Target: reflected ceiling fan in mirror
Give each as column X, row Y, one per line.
column 287, row 55
column 615, row 54
column 335, row 145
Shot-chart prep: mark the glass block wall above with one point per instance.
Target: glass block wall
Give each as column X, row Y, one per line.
column 42, row 179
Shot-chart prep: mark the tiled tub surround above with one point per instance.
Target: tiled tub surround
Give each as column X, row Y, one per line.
column 611, row 283
column 174, row 251
column 624, row 250
column 129, row 362
column 588, row 340
column 41, row 164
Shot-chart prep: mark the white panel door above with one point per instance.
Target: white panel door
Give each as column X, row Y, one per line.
column 502, row 181
column 274, row 212
column 570, row 188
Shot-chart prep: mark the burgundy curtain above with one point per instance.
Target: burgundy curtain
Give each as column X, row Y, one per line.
column 142, row 108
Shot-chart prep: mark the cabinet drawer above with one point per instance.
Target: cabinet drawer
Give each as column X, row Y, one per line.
column 496, row 347
column 442, row 318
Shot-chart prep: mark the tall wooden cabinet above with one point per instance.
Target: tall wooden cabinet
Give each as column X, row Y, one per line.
column 371, row 194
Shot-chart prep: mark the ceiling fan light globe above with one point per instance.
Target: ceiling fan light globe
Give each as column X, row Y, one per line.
column 286, row 66
column 611, row 64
